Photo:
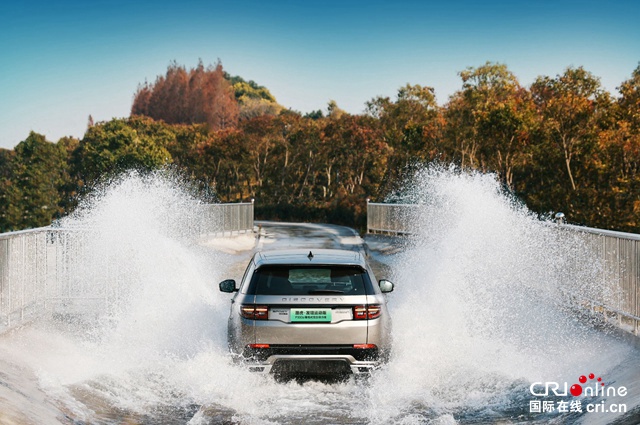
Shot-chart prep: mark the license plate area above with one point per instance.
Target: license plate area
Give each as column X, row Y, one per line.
column 338, row 313
column 308, row 315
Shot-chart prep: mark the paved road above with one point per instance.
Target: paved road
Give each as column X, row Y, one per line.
column 275, row 235
column 380, row 249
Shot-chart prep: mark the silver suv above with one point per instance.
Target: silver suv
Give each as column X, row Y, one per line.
column 318, row 312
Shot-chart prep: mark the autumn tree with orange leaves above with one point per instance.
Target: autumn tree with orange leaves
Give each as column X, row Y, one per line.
column 562, row 144
column 198, row 96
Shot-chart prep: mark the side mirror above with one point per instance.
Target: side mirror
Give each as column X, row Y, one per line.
column 386, row 286
column 228, row 286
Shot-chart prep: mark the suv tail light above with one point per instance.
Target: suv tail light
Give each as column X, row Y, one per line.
column 366, row 312
column 365, row 346
column 254, row 312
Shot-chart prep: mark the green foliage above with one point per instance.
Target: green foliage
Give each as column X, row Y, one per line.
column 253, row 100
column 31, row 192
column 6, row 189
column 334, row 111
column 571, row 109
column 251, row 107
column 249, row 89
column 410, row 127
column 488, row 122
column 563, row 144
column 629, row 102
column 121, row 144
column 617, row 162
column 314, row 115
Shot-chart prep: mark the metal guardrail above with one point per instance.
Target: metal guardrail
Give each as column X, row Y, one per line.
column 223, row 218
column 42, row 270
column 391, row 219
column 23, row 276
column 616, row 291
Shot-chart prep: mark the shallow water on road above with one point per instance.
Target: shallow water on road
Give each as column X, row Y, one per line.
column 478, row 317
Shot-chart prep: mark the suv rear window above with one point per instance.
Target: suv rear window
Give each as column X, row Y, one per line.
column 316, row 280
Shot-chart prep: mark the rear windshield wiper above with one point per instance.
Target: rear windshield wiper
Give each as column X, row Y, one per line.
column 325, row 291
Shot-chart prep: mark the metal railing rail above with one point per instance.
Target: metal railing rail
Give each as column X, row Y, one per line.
column 617, row 288
column 41, row 270
column 615, row 293
column 391, row 219
column 23, row 275
column 226, row 218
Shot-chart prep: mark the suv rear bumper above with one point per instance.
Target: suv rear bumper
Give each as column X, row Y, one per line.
column 313, row 365
column 311, row 360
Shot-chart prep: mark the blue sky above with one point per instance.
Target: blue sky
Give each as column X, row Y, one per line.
column 61, row 62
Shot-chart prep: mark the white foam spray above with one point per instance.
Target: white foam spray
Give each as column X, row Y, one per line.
column 137, row 251
column 478, row 315
column 481, row 309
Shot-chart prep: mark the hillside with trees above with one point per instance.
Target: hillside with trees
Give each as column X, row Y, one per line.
column 562, row 144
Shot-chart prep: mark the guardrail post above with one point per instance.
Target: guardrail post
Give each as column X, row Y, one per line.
column 23, row 252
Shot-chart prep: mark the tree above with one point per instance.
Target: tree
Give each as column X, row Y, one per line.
column 115, row 146
column 358, row 152
column 249, row 89
column 69, row 189
column 629, row 101
column 563, row 175
column 567, row 108
column 251, row 107
column 6, row 189
column 333, row 110
column 410, row 127
column 488, row 122
column 305, row 138
column 404, row 120
column 263, row 135
column 618, row 163
column 315, row 115
column 32, row 196
column 198, row 96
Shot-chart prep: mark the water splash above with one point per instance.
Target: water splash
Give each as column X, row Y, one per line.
column 134, row 248
column 478, row 312
column 481, row 309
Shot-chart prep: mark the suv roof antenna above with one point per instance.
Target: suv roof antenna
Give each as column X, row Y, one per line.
column 310, row 256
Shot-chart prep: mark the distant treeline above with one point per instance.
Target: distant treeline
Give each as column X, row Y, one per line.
column 562, row 144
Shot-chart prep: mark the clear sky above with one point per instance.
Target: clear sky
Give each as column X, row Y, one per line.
column 62, row 61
